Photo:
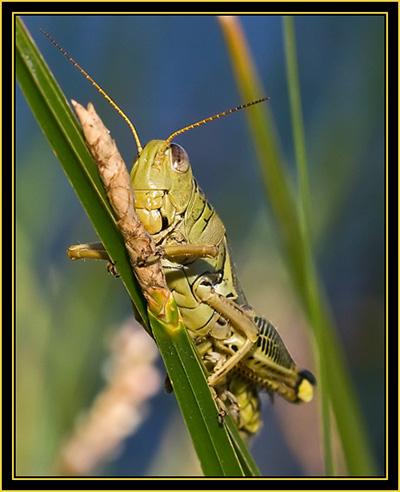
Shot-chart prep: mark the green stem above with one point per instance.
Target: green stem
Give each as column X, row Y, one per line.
column 311, row 283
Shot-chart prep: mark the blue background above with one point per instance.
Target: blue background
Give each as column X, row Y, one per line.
column 167, row 71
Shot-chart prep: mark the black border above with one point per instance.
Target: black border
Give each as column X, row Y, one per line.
column 390, row 482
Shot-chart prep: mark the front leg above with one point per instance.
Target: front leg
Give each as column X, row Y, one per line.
column 94, row 251
column 194, row 251
column 182, row 251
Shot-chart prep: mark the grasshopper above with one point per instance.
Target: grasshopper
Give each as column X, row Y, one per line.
column 241, row 349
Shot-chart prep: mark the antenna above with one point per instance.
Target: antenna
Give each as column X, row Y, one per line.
column 207, row 120
column 119, row 110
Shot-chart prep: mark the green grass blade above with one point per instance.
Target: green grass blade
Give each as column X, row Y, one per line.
column 219, row 453
column 333, row 376
column 248, row 464
column 356, row 447
column 311, row 283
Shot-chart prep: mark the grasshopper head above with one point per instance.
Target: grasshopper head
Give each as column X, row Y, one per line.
column 163, row 183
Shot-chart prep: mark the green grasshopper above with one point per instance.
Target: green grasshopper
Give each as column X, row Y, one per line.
column 242, row 350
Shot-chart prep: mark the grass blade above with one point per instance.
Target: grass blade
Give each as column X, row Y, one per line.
column 311, row 284
column 187, row 374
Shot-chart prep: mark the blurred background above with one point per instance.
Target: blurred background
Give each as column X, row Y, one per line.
column 166, row 72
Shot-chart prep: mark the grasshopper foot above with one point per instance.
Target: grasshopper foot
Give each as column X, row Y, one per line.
column 112, row 269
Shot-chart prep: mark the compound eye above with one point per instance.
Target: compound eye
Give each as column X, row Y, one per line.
column 179, row 158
